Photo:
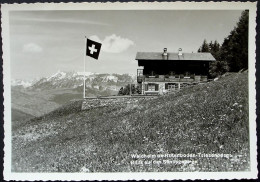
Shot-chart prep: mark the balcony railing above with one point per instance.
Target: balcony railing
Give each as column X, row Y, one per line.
column 176, row 78
column 154, row 79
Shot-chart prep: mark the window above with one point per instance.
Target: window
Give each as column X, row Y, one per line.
column 151, row 87
column 171, row 86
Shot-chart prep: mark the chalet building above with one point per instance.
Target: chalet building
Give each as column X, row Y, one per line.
column 166, row 71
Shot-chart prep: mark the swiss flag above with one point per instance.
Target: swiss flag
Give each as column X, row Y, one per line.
column 93, row 48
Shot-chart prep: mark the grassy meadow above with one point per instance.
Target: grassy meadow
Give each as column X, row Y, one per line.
column 208, row 118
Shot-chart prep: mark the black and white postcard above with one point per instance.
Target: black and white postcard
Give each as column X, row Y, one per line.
column 122, row 91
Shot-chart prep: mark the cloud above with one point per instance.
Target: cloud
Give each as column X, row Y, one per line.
column 113, row 43
column 32, row 47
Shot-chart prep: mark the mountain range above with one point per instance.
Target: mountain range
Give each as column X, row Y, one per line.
column 75, row 79
column 40, row 96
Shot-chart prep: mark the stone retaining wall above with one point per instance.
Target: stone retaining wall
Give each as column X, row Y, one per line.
column 90, row 103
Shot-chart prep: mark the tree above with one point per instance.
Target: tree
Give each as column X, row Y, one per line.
column 215, row 49
column 120, row 92
column 235, row 46
column 211, row 46
column 205, row 46
column 138, row 90
column 218, row 67
column 232, row 55
column 126, row 90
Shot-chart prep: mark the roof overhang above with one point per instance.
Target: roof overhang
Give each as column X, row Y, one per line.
column 157, row 56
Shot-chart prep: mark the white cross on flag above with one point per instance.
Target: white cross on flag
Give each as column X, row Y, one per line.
column 93, row 48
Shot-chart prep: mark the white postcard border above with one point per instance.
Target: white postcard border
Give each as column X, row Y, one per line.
column 8, row 175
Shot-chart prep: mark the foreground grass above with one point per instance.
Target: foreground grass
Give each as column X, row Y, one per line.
column 210, row 118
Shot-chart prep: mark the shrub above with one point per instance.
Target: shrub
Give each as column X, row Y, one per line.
column 126, row 90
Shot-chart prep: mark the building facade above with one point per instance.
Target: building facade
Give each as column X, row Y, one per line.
column 165, row 71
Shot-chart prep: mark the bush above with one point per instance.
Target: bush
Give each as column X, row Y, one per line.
column 126, row 90
column 218, row 68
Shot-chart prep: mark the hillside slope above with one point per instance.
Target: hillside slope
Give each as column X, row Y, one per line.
column 205, row 119
column 32, row 103
column 19, row 118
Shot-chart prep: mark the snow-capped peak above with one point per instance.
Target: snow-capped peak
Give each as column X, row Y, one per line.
column 74, row 79
column 86, row 73
column 59, row 75
column 23, row 83
column 110, row 78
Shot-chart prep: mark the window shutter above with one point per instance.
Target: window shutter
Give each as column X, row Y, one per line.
column 156, row 87
column 146, row 87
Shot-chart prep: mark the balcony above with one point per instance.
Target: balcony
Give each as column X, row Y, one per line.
column 153, row 79
column 179, row 80
column 176, row 78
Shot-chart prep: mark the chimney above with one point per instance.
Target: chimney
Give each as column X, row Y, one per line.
column 165, row 52
column 180, row 52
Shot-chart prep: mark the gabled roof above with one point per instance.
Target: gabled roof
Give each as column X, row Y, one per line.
column 205, row 56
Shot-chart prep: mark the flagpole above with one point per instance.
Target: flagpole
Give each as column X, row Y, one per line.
column 84, row 81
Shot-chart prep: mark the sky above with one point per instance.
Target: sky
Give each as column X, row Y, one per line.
column 44, row 42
